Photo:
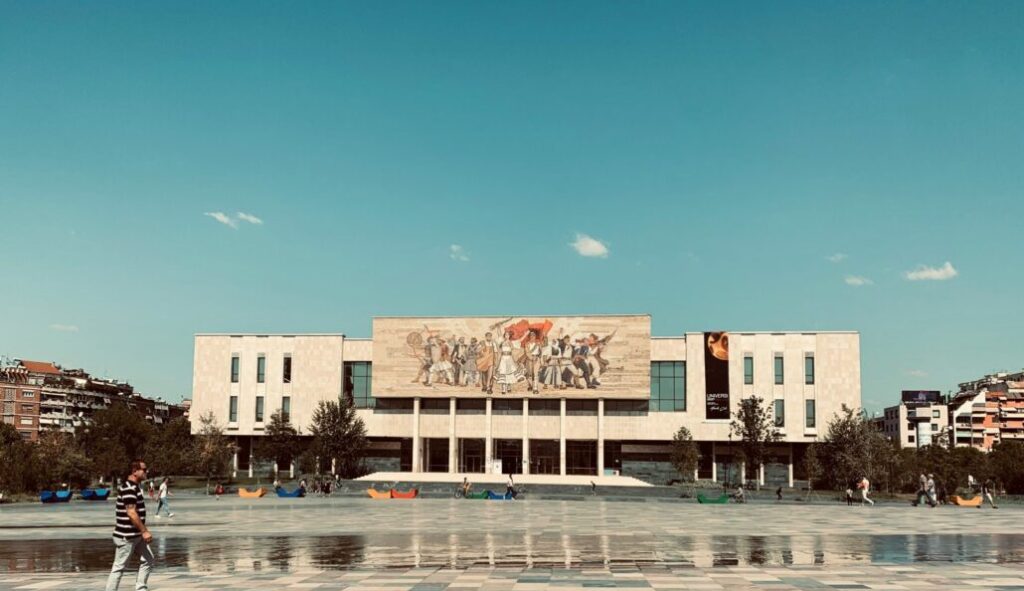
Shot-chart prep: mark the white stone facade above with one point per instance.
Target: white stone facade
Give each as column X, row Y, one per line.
column 317, row 370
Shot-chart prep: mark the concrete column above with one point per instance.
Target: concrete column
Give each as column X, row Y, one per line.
column 714, row 464
column 600, row 436
column 234, row 464
column 743, row 472
column 760, row 475
column 291, row 470
column 526, row 435
column 417, row 461
column 790, row 465
column 561, row 438
column 250, row 457
column 488, row 443
column 453, row 465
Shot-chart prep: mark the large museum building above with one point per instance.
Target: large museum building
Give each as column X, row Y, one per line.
column 558, row 395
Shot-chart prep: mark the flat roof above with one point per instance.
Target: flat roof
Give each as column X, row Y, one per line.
column 348, row 338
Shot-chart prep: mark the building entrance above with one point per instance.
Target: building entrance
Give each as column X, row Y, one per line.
column 581, row 457
column 435, row 455
column 510, row 452
column 471, row 456
column 544, row 456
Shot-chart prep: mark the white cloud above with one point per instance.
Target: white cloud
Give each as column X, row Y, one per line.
column 858, row 281
column 926, row 273
column 248, row 217
column 589, row 247
column 457, row 253
column 837, row 257
column 223, row 218
column 64, row 327
column 917, row 373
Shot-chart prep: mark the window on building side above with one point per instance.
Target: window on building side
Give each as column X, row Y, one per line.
column 356, row 383
column 28, row 394
column 780, row 413
column 935, row 426
column 261, row 369
column 936, row 414
column 25, row 421
column 233, row 410
column 910, row 439
column 259, row 409
column 779, row 367
column 809, row 412
column 809, row 369
column 286, row 371
column 748, row 370
column 668, row 386
column 9, row 393
column 286, row 408
column 234, row 369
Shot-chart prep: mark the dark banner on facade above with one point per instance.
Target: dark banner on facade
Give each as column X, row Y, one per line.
column 716, row 374
column 922, row 396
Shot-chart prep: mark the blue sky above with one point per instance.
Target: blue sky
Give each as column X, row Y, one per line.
column 720, row 152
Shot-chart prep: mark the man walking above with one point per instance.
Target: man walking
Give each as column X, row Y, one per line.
column 131, row 537
column 164, row 503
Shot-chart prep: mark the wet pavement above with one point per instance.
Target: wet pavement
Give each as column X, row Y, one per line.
column 522, row 545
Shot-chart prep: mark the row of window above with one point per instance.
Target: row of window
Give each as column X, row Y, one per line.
column 810, row 413
column 261, row 368
column 780, row 367
column 286, row 409
column 9, row 393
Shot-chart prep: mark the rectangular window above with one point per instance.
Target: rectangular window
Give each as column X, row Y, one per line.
column 286, row 408
column 779, row 369
column 809, row 369
column 748, row 370
column 580, row 407
column 25, row 421
column 234, row 369
column 261, row 369
column 233, row 410
column 625, row 408
column 910, row 439
column 780, row 413
column 9, row 393
column 935, row 427
column 476, row 406
column 435, row 406
column 809, row 414
column 28, row 394
column 506, row 406
column 355, row 383
column 545, row 407
column 936, row 414
column 287, row 369
column 668, row 386
column 27, row 409
column 259, row 409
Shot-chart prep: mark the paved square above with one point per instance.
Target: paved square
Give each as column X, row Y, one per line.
column 530, row 545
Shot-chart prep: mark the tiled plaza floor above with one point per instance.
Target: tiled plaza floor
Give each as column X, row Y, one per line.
column 440, row 544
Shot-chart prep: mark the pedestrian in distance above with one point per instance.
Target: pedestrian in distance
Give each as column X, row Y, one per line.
column 865, row 486
column 131, row 536
column 849, row 496
column 986, row 491
column 778, row 495
column 164, row 503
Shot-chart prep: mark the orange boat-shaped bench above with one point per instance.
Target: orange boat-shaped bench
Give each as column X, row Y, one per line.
column 252, row 494
column 378, row 494
column 411, row 494
column 962, row 502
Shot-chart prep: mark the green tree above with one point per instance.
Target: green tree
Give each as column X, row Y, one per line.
column 338, row 434
column 848, row 450
column 114, row 437
column 62, row 462
column 18, row 462
column 1007, row 465
column 755, row 426
column 685, row 453
column 171, row 449
column 280, row 443
column 213, row 449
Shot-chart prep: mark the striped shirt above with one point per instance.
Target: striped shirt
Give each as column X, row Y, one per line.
column 129, row 494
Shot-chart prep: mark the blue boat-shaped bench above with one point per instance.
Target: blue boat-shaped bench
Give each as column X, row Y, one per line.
column 496, row 497
column 49, row 496
column 298, row 492
column 95, row 494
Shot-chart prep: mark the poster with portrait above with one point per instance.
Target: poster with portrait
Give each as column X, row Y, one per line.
column 716, row 375
column 521, row 356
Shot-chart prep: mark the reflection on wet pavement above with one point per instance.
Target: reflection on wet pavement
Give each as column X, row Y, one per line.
column 393, row 550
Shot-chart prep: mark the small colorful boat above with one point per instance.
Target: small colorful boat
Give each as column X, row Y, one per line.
column 962, row 502
column 719, row 500
column 378, row 494
column 251, row 494
column 284, row 494
column 98, row 494
column 47, row 496
column 493, row 496
column 410, row 494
